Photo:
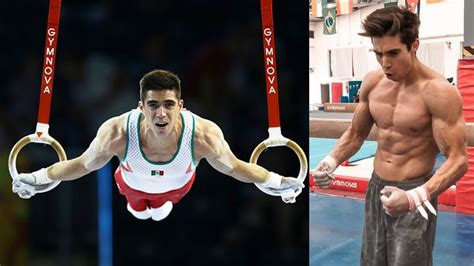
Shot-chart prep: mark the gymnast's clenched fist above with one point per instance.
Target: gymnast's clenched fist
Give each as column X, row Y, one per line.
column 322, row 174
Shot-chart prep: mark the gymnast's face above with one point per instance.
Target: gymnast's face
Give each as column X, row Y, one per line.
column 394, row 57
column 161, row 110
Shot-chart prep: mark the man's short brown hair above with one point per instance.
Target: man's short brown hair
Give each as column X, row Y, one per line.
column 159, row 80
column 392, row 21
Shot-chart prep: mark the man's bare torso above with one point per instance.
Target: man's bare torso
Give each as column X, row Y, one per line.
column 406, row 148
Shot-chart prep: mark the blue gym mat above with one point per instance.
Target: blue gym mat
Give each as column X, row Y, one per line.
column 320, row 147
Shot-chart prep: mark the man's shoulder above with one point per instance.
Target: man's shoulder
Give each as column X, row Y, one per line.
column 207, row 135
column 113, row 130
column 116, row 123
column 374, row 75
column 372, row 78
column 432, row 80
column 439, row 93
column 438, row 86
column 204, row 127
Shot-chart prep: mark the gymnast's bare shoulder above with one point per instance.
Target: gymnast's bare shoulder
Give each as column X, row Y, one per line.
column 208, row 138
column 370, row 82
column 112, row 135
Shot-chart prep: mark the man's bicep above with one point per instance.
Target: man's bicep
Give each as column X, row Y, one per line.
column 448, row 123
column 217, row 151
column 96, row 155
column 362, row 120
column 220, row 165
column 104, row 146
column 450, row 136
column 223, row 160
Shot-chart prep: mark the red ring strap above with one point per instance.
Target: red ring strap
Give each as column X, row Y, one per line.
column 49, row 61
column 269, row 56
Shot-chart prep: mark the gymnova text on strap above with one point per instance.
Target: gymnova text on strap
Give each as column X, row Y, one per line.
column 49, row 60
column 269, row 59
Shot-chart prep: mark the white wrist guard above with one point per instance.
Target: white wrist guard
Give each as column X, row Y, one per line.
column 331, row 162
column 418, row 197
column 41, row 177
column 273, row 180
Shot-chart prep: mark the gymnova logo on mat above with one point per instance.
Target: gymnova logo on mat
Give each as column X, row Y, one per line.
column 341, row 183
column 336, row 107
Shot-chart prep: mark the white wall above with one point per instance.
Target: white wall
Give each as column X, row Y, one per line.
column 434, row 28
column 444, row 22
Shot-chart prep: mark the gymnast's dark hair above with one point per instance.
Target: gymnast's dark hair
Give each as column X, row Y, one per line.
column 159, row 80
column 392, row 21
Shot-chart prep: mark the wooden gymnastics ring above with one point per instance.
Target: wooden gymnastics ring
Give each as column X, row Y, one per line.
column 277, row 140
column 34, row 138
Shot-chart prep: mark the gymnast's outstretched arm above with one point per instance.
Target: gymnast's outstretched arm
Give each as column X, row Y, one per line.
column 211, row 145
column 109, row 140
